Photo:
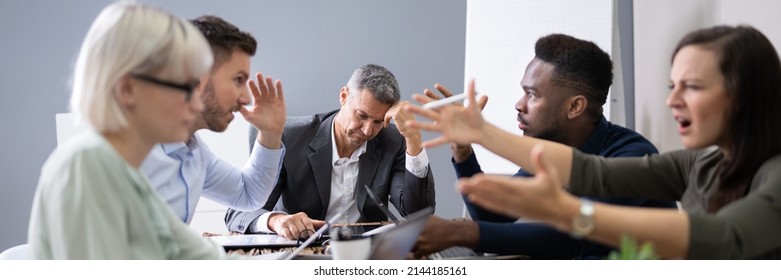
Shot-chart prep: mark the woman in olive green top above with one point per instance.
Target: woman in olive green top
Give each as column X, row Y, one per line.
column 725, row 96
column 133, row 84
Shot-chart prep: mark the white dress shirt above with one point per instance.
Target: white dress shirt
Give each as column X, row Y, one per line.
column 344, row 176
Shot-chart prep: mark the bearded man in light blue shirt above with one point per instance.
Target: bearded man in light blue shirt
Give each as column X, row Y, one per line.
column 182, row 172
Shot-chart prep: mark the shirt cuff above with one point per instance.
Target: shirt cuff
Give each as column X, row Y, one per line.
column 261, row 224
column 417, row 165
column 265, row 157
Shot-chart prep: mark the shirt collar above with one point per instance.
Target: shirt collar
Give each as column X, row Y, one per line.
column 594, row 142
column 335, row 152
column 182, row 148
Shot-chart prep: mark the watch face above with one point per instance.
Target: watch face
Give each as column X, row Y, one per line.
column 583, row 224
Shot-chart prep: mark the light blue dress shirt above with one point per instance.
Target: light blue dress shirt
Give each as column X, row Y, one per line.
column 182, row 172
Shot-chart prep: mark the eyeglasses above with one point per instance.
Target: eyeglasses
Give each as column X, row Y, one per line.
column 188, row 89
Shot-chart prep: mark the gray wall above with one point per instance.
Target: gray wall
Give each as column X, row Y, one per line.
column 312, row 46
column 625, row 23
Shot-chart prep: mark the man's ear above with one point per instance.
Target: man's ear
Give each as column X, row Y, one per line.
column 202, row 81
column 343, row 94
column 577, row 106
column 125, row 91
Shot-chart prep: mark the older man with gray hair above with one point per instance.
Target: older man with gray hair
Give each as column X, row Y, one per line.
column 331, row 156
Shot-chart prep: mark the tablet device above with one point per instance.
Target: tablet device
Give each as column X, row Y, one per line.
column 397, row 241
column 245, row 241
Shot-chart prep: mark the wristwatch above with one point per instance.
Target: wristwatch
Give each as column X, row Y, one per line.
column 583, row 224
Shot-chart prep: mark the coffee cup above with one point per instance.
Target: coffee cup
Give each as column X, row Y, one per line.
column 356, row 248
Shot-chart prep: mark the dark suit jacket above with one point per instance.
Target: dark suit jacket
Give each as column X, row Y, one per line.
column 305, row 179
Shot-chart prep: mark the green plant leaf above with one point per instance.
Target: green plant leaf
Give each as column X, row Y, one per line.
column 629, row 250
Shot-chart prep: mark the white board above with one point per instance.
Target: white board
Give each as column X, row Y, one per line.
column 500, row 43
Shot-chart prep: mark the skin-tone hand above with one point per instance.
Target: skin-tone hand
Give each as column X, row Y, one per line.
column 537, row 198
column 411, row 135
column 440, row 234
column 460, row 152
column 293, row 226
column 268, row 112
column 457, row 124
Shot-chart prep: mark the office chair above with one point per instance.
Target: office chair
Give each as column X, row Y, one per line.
column 18, row 252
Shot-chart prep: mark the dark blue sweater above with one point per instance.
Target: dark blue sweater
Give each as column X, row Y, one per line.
column 499, row 234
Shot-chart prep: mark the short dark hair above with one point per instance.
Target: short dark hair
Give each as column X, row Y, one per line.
column 224, row 37
column 378, row 80
column 580, row 65
column 752, row 78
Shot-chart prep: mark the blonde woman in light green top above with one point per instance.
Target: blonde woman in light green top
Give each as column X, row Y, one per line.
column 133, row 85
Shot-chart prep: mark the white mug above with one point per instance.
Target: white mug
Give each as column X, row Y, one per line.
column 351, row 249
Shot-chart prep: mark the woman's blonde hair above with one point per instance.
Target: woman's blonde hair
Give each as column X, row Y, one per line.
column 131, row 38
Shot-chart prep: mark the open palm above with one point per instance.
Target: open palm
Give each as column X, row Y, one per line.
column 458, row 124
column 268, row 112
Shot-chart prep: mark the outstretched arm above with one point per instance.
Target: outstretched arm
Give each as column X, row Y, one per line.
column 541, row 198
